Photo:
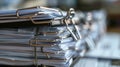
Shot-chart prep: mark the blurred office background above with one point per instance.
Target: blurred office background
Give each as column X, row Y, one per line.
column 112, row 7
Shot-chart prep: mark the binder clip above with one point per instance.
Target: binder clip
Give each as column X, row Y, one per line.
column 69, row 20
column 27, row 16
column 35, row 42
column 40, row 12
column 47, row 21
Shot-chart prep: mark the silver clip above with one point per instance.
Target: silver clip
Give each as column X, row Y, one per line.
column 72, row 14
column 35, row 55
column 76, row 29
column 35, row 43
column 68, row 28
column 69, row 17
column 18, row 14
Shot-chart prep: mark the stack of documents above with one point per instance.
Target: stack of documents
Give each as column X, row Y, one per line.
column 52, row 44
column 45, row 36
column 37, row 36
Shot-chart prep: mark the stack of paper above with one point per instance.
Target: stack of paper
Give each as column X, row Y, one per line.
column 45, row 36
column 36, row 36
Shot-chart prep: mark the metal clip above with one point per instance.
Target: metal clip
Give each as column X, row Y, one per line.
column 76, row 29
column 35, row 55
column 31, row 15
column 35, row 43
column 48, row 21
column 69, row 18
column 43, row 22
column 35, row 48
column 18, row 14
column 72, row 14
column 68, row 28
column 37, row 13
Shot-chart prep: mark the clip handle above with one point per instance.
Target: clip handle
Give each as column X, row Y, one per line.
column 76, row 28
column 18, row 12
column 41, row 22
column 68, row 28
column 35, row 44
column 36, row 58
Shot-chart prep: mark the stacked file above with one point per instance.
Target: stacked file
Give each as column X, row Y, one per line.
column 53, row 45
column 37, row 36
column 45, row 36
